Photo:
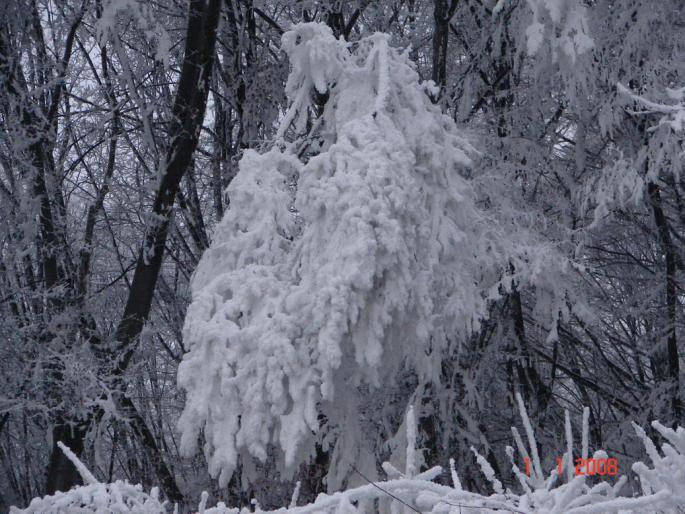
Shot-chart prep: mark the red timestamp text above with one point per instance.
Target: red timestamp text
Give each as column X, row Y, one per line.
column 586, row 467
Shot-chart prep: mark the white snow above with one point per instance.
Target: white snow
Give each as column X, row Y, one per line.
column 663, row 486
column 311, row 288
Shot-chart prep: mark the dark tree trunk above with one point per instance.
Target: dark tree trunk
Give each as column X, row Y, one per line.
column 440, row 40
column 443, row 11
column 666, row 360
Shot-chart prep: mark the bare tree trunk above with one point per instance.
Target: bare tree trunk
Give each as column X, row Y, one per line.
column 443, row 11
column 666, row 363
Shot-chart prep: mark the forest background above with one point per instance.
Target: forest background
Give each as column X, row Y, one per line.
column 123, row 124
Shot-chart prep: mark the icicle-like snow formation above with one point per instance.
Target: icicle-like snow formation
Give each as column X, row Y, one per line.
column 329, row 273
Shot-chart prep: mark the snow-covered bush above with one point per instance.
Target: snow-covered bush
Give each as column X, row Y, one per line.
column 98, row 498
column 666, row 480
column 319, row 267
column 539, row 493
column 95, row 497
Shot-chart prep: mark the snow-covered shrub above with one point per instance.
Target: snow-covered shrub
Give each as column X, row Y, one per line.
column 95, row 497
column 98, row 498
column 413, row 491
column 666, row 480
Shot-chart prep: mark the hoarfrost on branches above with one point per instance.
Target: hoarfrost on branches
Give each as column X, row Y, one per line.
column 143, row 17
column 566, row 30
column 623, row 181
column 662, row 487
column 335, row 271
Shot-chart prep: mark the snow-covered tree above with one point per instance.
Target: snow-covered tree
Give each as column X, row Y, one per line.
column 354, row 252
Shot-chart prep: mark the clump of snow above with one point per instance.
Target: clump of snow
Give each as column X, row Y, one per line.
column 119, row 497
column 316, row 60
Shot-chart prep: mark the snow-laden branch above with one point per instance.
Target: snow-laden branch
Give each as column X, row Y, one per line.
column 675, row 113
column 624, row 181
column 86, row 475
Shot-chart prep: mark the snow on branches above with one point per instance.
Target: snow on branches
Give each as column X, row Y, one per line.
column 566, row 30
column 416, row 492
column 344, row 256
column 624, row 181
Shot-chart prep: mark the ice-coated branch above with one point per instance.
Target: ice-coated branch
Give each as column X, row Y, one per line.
column 532, row 443
column 410, row 467
column 296, row 495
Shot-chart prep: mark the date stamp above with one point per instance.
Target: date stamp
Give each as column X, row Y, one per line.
column 586, row 467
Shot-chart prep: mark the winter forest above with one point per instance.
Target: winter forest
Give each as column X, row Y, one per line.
column 342, row 257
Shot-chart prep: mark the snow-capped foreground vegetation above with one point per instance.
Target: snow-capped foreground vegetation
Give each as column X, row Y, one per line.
column 662, row 484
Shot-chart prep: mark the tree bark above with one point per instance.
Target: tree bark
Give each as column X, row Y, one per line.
column 440, row 40
column 443, row 10
column 666, row 363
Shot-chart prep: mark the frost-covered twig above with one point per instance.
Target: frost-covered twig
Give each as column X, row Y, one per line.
column 675, row 113
column 86, row 475
column 662, row 483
